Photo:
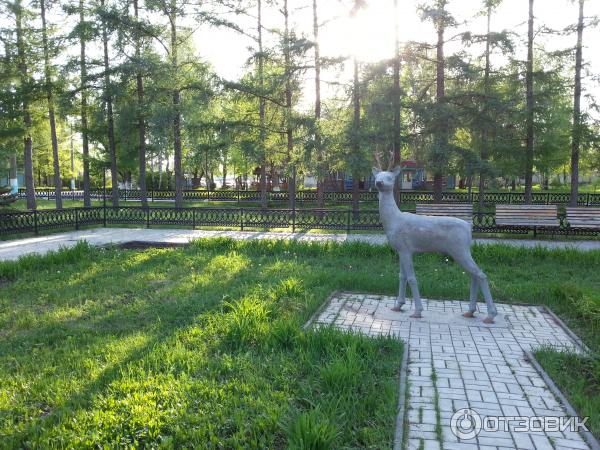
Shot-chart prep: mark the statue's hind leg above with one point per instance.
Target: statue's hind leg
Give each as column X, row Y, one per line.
column 467, row 263
column 473, row 297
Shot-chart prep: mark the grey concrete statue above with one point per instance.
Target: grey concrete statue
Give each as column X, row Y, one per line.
column 409, row 233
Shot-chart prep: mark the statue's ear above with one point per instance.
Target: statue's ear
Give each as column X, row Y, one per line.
column 376, row 171
column 397, row 171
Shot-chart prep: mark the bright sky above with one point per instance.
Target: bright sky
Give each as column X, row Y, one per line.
column 371, row 34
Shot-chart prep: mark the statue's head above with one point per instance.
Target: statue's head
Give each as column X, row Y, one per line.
column 385, row 179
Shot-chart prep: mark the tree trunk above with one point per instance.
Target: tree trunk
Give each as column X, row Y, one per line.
column 442, row 132
column 576, row 133
column 318, row 138
column 12, row 176
column 51, row 116
column 112, row 148
column 529, row 94
column 160, row 172
column 27, row 152
column 356, row 140
column 72, row 162
column 288, row 107
column 224, row 170
column 141, row 120
column 396, row 102
column 484, row 131
column 84, row 122
column 261, row 114
column 177, row 157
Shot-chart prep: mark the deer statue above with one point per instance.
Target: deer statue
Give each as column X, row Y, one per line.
column 408, row 233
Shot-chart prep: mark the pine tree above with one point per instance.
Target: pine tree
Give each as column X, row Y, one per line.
column 26, row 89
column 84, row 104
column 262, row 133
column 576, row 133
column 530, row 109
column 108, row 100
column 138, row 35
column 48, row 85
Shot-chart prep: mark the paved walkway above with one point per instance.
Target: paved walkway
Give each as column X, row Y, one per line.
column 456, row 363
column 13, row 249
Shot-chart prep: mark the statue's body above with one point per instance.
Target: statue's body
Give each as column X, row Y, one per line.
column 408, row 234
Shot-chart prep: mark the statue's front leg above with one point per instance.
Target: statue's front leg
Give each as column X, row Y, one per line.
column 407, row 265
column 401, row 300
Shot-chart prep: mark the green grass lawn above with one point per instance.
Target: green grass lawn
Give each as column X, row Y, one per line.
column 202, row 347
column 577, row 377
column 189, row 348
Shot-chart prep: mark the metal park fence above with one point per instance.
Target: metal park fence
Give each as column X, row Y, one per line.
column 242, row 218
column 310, row 196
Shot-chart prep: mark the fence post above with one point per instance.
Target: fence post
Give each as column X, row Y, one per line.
column 193, row 218
column 77, row 218
column 294, row 219
column 587, row 201
column 547, row 198
column 349, row 217
column 241, row 219
column 104, row 212
column 35, row 222
column 148, row 217
column 238, row 196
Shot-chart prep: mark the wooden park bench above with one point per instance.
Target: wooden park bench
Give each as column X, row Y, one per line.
column 583, row 217
column 527, row 216
column 7, row 199
column 464, row 212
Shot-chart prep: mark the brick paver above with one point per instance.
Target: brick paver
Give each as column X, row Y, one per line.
column 456, row 363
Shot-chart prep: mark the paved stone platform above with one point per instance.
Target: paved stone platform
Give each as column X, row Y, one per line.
column 456, row 363
column 15, row 248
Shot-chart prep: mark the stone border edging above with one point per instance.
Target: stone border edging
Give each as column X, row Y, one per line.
column 399, row 433
column 580, row 344
column 319, row 310
column 587, row 435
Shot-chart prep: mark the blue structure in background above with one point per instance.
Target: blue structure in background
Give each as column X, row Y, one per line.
column 5, row 181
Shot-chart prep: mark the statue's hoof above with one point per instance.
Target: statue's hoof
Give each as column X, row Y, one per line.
column 416, row 315
column 488, row 320
column 397, row 308
column 469, row 314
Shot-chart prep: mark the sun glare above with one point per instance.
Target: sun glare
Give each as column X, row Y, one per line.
column 370, row 33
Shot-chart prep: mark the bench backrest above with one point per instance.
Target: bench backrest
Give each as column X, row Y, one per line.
column 6, row 199
column 527, row 215
column 583, row 217
column 464, row 212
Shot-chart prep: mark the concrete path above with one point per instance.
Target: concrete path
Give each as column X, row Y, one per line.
column 13, row 249
column 459, row 366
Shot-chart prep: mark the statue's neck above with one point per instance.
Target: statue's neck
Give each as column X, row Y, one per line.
column 387, row 206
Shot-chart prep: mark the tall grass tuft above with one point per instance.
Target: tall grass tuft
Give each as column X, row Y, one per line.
column 10, row 270
column 311, row 430
column 246, row 322
column 344, row 372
